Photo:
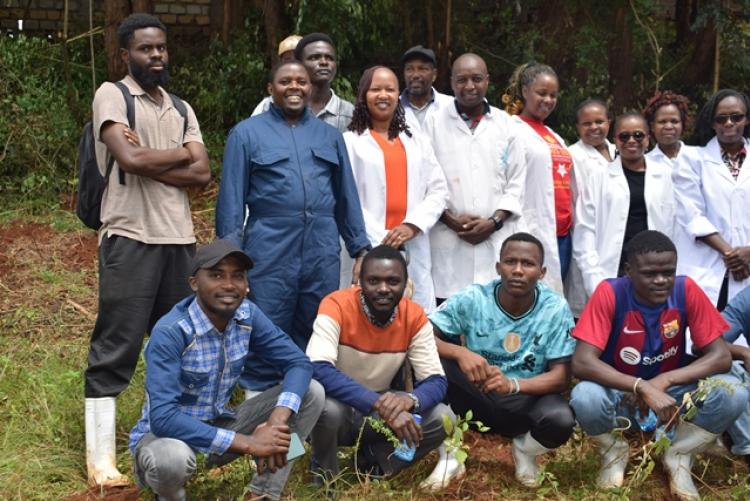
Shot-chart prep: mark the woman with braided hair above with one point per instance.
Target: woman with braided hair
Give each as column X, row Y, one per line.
column 667, row 117
column 401, row 186
column 548, row 201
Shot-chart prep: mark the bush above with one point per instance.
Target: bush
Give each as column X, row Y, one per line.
column 38, row 128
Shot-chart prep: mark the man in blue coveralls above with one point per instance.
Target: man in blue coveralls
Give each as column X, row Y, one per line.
column 292, row 173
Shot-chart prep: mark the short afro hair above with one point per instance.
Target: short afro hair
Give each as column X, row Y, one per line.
column 276, row 67
column 133, row 22
column 311, row 38
column 384, row 252
column 648, row 241
column 522, row 236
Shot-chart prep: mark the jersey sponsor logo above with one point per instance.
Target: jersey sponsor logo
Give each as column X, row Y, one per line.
column 660, row 357
column 630, row 355
column 628, row 330
column 529, row 361
column 512, row 342
column 671, row 329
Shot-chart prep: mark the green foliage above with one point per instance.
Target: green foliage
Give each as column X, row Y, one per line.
column 381, row 427
column 38, row 129
column 454, row 434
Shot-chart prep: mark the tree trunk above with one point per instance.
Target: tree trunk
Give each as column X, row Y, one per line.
column 143, row 6
column 406, row 17
column 621, row 60
column 444, row 52
column 277, row 25
column 114, row 12
column 430, row 24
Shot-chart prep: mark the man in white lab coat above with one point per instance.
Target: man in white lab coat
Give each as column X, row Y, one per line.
column 472, row 141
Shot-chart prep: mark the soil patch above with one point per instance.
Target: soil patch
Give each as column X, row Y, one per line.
column 24, row 243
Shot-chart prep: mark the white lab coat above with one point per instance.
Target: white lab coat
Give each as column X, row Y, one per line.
column 602, row 215
column 658, row 156
column 585, row 159
column 539, row 217
column 427, row 195
column 710, row 201
column 484, row 174
column 439, row 101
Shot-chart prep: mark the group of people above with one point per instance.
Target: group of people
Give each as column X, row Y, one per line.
column 484, row 264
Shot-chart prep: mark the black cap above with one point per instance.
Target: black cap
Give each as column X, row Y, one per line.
column 209, row 255
column 419, row 52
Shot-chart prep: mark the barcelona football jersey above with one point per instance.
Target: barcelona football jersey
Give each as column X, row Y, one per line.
column 644, row 341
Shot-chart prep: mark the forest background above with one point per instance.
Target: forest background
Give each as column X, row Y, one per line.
column 621, row 51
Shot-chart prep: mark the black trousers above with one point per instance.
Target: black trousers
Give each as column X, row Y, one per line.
column 138, row 284
column 549, row 418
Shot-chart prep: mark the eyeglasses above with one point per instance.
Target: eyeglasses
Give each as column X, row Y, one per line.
column 734, row 117
column 637, row 135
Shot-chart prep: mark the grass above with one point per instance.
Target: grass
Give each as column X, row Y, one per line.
column 48, row 284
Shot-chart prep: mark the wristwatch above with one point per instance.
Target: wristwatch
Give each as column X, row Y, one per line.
column 416, row 402
column 498, row 222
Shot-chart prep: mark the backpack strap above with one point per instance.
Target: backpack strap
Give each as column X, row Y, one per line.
column 130, row 110
column 179, row 105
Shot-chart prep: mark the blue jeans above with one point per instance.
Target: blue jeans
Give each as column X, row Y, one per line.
column 740, row 429
column 597, row 407
column 565, row 251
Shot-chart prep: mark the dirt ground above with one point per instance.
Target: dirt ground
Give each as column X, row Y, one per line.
column 27, row 249
column 75, row 250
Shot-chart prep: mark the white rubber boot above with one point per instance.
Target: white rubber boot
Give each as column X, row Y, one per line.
column 446, row 470
column 101, row 456
column 613, row 450
column 525, row 450
column 689, row 440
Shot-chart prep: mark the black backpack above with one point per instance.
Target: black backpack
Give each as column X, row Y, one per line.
column 91, row 183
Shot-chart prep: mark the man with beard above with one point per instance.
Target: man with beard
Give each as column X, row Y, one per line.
column 146, row 240
column 291, row 172
column 193, row 361
column 361, row 338
column 485, row 179
column 419, row 98
column 516, row 360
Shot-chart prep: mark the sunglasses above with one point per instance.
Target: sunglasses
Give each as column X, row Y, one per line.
column 638, row 135
column 734, row 117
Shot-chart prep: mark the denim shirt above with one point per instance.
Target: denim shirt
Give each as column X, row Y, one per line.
column 192, row 370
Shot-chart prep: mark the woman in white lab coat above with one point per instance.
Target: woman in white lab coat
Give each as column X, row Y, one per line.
column 592, row 152
column 713, row 206
column 667, row 116
column 629, row 196
column 548, row 200
column 401, row 186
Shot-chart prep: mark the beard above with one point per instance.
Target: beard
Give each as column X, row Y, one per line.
column 148, row 79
